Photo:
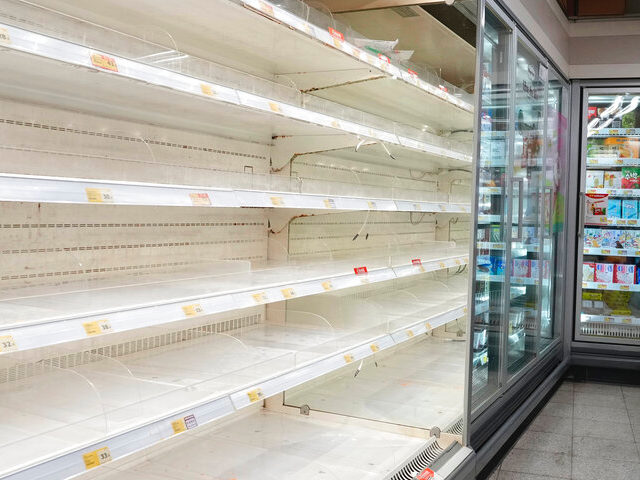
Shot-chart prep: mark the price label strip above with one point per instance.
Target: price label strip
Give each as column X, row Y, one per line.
column 255, row 395
column 192, row 310
column 327, row 285
column 97, row 458
column 260, row 297
column 97, row 328
column 200, row 199
column 104, row 62
column 184, row 424
column 288, row 293
column 7, row 344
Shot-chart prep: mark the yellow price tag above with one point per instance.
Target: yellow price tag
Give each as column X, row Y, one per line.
column 255, row 395
column 327, row 285
column 428, row 326
column 626, row 320
column 602, row 286
column 8, row 344
column 4, row 36
column 442, row 265
column 458, row 262
column 96, row 458
column 97, row 328
column 371, row 205
column 288, row 293
column 409, row 333
column 200, row 199
column 260, row 297
column 206, row 89
column 632, row 222
column 348, row 358
column 337, row 43
column 374, row 347
column 192, row 310
column 104, row 61
column 336, row 124
column 99, row 195
column 277, row 201
column 329, row 203
column 274, row 107
column 178, row 426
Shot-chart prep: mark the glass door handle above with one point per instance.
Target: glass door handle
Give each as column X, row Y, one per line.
column 546, row 231
column 582, row 201
column 520, row 182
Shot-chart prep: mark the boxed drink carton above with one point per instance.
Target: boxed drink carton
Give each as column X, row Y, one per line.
column 596, row 208
column 625, row 274
column 588, row 272
column 630, row 177
column 521, row 268
column 610, row 239
column 614, row 208
column 604, row 272
column 595, row 178
column 630, row 209
column 612, row 179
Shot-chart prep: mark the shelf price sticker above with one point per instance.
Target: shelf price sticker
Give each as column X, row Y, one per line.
column 428, row 326
column 192, row 310
column 255, row 395
column 207, row 90
column 409, row 333
column 371, row 205
column 97, row 328
column 632, row 222
column 602, row 286
column 360, row 270
column 374, row 347
column 288, row 293
column 99, row 195
column 348, row 358
column 7, row 344
column 626, row 320
column 97, row 458
column 184, row 424
column 104, row 61
column 260, row 297
column 200, row 199
column 277, row 201
column 418, row 263
column 329, row 203
column 336, row 34
column 274, row 107
column 624, row 287
column 458, row 261
column 4, row 36
column 327, row 285
column 442, row 265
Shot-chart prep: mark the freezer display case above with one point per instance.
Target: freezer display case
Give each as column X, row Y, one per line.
column 236, row 232
column 607, row 301
column 521, row 184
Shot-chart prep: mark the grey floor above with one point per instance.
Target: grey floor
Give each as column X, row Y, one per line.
column 586, row 431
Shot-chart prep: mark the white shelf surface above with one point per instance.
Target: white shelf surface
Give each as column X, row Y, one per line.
column 30, row 188
column 41, row 316
column 42, row 68
column 611, row 286
column 130, row 402
column 274, row 446
column 614, row 319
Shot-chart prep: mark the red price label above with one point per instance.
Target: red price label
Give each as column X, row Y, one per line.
column 384, row 58
column 360, row 270
column 426, row 474
column 336, row 34
column 443, row 88
column 103, row 61
column 412, row 72
column 416, row 261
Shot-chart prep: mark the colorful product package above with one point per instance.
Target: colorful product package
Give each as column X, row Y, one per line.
column 596, row 208
column 626, row 239
column 588, row 272
column 612, row 179
column 625, row 274
column 529, row 235
column 593, row 237
column 535, row 271
column 521, row 268
column 595, row 178
column 604, row 272
column 610, row 239
column 630, row 177
column 497, row 265
column 630, row 209
column 494, row 235
column 614, row 208
column 627, row 147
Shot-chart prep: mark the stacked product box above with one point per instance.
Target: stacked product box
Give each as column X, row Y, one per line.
column 609, row 273
column 605, row 238
column 525, row 268
column 630, row 177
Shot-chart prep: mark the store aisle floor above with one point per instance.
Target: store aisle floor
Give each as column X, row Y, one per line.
column 586, row 431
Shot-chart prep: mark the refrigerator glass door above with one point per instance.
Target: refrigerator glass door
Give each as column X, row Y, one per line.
column 609, row 304
column 492, row 230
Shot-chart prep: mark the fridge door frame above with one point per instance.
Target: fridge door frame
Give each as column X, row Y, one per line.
column 579, row 107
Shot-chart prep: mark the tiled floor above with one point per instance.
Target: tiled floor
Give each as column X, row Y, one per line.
column 586, row 431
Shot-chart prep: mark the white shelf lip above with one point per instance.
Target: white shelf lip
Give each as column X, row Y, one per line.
column 31, row 188
column 625, row 252
column 501, row 246
column 616, row 221
column 615, row 319
column 485, row 277
column 379, row 62
column 613, row 162
column 616, row 192
column 70, row 53
column 140, row 437
column 78, row 326
column 611, row 286
column 618, row 132
column 490, row 190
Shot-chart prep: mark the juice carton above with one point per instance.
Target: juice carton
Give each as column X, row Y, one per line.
column 521, row 268
column 612, row 179
column 588, row 272
column 596, row 208
column 630, row 209
column 604, row 272
column 614, row 208
column 595, row 178
column 630, row 177
column 625, row 274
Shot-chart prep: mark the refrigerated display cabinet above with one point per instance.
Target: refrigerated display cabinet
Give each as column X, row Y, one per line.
column 235, row 239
